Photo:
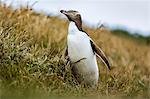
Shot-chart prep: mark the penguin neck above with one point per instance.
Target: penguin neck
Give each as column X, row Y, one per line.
column 75, row 25
column 78, row 24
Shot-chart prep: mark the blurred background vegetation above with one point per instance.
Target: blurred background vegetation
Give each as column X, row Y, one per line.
column 32, row 60
column 135, row 36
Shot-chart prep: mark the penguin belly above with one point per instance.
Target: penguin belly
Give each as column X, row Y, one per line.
column 83, row 59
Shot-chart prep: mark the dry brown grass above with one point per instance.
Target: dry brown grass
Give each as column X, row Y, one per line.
column 31, row 59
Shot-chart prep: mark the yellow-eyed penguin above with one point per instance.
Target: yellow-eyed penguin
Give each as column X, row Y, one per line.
column 82, row 51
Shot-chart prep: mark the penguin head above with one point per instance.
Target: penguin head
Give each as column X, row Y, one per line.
column 72, row 15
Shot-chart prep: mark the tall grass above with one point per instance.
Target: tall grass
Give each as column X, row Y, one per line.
column 32, row 59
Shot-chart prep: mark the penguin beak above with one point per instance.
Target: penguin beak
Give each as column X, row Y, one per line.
column 63, row 12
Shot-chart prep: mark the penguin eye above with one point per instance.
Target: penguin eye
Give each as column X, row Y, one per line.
column 78, row 15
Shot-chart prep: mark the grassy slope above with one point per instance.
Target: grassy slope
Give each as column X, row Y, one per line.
column 138, row 38
column 31, row 59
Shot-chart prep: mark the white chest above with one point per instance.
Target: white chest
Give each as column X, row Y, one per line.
column 78, row 44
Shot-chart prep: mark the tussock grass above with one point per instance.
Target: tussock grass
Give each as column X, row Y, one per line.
column 32, row 59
